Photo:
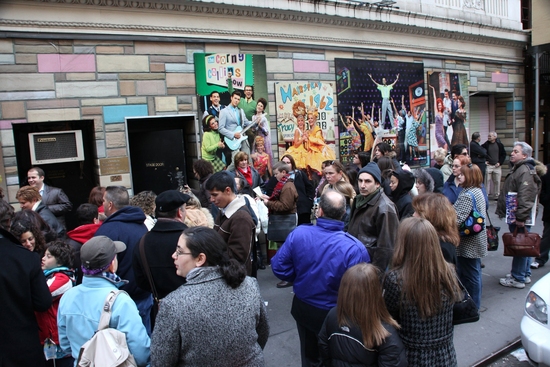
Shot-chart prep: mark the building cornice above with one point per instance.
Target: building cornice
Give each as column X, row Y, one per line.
column 213, row 11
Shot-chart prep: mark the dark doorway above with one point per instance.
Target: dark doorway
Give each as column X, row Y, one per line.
column 160, row 152
column 75, row 178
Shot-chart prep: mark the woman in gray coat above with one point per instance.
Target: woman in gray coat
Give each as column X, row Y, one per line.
column 217, row 318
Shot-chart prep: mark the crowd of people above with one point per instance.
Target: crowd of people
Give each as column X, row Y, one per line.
column 376, row 254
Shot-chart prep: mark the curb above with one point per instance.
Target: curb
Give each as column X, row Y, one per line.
column 498, row 354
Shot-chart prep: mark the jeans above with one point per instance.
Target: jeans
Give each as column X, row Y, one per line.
column 494, row 175
column 520, row 265
column 386, row 107
column 469, row 273
column 544, row 244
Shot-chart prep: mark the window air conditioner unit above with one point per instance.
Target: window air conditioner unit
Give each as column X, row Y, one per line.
column 56, row 147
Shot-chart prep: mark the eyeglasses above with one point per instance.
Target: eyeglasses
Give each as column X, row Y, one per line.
column 179, row 252
column 464, row 153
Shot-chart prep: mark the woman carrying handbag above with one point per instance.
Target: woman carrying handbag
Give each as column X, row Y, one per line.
column 282, row 208
column 473, row 239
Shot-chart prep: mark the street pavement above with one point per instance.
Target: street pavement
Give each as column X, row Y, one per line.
column 499, row 325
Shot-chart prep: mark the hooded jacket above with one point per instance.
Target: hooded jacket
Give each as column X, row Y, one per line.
column 400, row 196
column 76, row 238
column 126, row 225
column 438, row 178
column 524, row 178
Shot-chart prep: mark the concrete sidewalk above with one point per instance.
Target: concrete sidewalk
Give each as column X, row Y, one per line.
column 502, row 310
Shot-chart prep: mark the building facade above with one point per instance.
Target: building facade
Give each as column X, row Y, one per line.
column 120, row 70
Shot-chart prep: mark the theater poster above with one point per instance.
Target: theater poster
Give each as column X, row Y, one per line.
column 212, row 73
column 382, row 101
column 305, row 122
column 448, row 106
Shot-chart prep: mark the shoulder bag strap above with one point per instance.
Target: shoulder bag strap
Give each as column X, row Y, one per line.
column 474, row 201
column 147, row 269
column 107, row 307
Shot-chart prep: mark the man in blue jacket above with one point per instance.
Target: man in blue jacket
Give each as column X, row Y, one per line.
column 314, row 258
column 125, row 223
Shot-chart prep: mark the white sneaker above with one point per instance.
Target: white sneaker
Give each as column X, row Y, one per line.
column 511, row 282
column 527, row 279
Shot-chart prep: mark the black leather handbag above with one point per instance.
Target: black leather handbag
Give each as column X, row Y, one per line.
column 280, row 225
column 465, row 311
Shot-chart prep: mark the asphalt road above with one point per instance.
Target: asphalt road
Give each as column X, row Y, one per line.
column 499, row 325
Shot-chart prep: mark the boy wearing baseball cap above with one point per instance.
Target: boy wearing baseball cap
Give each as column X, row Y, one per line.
column 80, row 308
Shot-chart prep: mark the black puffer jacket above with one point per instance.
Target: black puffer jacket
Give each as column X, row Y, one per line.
column 343, row 346
column 400, row 196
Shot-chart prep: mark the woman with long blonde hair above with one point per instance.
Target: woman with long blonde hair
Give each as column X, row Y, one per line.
column 360, row 330
column 420, row 290
column 437, row 209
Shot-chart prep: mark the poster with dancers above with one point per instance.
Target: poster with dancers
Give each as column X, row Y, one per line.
column 448, row 106
column 305, row 122
column 382, row 101
column 217, row 76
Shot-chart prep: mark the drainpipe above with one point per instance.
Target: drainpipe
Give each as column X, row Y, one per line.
column 537, row 105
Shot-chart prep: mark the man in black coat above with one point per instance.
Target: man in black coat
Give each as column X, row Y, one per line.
column 497, row 156
column 24, row 290
column 478, row 154
column 159, row 245
column 545, row 241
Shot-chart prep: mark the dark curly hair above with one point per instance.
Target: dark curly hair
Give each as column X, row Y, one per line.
column 18, row 228
column 62, row 252
column 203, row 167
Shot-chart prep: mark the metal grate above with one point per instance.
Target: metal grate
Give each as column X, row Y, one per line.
column 55, row 146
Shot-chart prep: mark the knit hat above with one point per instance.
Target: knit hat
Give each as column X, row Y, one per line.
column 372, row 169
column 170, row 200
column 98, row 253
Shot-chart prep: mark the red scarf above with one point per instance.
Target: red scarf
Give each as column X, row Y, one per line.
column 247, row 175
column 278, row 188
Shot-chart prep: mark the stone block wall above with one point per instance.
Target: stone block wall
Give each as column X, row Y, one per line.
column 53, row 80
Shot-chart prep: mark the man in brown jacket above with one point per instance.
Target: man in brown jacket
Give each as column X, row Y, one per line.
column 234, row 221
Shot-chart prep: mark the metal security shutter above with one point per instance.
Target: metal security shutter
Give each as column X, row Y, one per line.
column 479, row 117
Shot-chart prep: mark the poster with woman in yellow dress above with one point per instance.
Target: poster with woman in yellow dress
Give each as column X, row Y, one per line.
column 305, row 122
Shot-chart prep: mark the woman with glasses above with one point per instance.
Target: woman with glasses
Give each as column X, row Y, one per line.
column 473, row 247
column 218, row 317
column 451, row 188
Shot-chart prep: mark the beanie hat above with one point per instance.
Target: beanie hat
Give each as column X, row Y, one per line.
column 373, row 170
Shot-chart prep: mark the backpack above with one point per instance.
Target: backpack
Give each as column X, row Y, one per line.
column 107, row 348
